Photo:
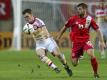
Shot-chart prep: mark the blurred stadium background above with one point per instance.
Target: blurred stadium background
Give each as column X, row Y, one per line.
column 54, row 13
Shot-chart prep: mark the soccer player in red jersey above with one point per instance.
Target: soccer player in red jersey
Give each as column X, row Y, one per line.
column 79, row 35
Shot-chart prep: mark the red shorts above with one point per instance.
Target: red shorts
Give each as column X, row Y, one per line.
column 79, row 48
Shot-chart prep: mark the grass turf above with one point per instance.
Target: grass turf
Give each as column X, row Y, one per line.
column 25, row 65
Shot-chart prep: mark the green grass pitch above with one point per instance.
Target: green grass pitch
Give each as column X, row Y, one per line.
column 25, row 65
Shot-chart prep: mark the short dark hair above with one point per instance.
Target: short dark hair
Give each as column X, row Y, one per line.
column 27, row 11
column 83, row 5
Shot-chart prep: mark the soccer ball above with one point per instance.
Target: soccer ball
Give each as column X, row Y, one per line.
column 28, row 28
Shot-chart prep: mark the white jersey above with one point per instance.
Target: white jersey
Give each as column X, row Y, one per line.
column 37, row 23
column 100, row 14
column 41, row 35
column 100, row 19
column 40, row 31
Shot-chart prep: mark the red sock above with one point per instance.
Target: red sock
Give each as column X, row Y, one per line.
column 94, row 64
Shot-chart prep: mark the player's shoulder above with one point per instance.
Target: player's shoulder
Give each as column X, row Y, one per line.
column 89, row 17
column 38, row 20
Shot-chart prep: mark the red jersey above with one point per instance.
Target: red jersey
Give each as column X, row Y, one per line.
column 80, row 28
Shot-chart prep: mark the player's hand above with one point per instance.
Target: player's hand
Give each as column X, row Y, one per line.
column 28, row 28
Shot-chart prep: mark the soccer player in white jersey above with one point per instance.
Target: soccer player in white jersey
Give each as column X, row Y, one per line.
column 44, row 41
column 101, row 19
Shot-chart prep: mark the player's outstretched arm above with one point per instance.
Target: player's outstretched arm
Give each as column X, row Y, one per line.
column 61, row 33
column 100, row 36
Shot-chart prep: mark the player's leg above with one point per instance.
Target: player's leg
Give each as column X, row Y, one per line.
column 53, row 48
column 41, row 53
column 90, row 51
column 56, row 52
column 94, row 62
column 75, row 61
column 77, row 51
column 102, row 51
column 61, row 57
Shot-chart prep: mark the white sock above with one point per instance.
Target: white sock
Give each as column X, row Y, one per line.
column 53, row 66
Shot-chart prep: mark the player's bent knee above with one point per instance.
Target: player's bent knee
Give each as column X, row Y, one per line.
column 40, row 52
column 56, row 52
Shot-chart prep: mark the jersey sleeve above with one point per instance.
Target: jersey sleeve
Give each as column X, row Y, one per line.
column 69, row 22
column 94, row 25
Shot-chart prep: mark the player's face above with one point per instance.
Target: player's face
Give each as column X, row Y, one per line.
column 81, row 11
column 28, row 17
